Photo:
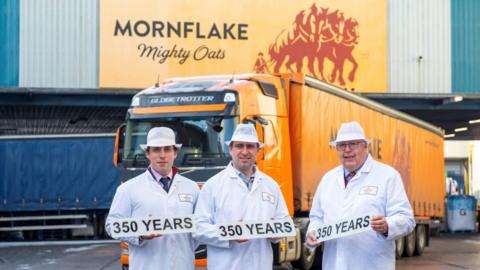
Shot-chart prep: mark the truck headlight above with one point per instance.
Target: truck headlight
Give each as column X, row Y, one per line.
column 229, row 97
column 135, row 102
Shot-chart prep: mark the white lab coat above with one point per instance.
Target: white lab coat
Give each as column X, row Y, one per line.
column 332, row 202
column 142, row 197
column 226, row 199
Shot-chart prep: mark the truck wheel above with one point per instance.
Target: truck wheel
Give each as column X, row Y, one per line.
column 309, row 259
column 399, row 247
column 410, row 244
column 420, row 240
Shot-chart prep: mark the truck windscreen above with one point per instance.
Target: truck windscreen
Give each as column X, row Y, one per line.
column 202, row 138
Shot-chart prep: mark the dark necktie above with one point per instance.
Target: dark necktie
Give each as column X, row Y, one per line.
column 165, row 181
column 250, row 182
column 349, row 177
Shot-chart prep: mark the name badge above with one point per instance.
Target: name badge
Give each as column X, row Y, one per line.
column 185, row 197
column 368, row 190
column 267, row 197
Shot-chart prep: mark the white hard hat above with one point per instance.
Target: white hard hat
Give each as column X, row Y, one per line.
column 160, row 136
column 350, row 132
column 245, row 133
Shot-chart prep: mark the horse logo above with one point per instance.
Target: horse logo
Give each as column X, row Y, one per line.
column 317, row 34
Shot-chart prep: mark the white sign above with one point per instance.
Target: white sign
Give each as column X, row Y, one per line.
column 342, row 228
column 256, row 229
column 165, row 225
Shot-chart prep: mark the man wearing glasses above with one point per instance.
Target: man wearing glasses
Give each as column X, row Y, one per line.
column 158, row 192
column 360, row 186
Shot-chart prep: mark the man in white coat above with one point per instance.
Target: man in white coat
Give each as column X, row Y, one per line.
column 158, row 192
column 360, row 186
column 240, row 192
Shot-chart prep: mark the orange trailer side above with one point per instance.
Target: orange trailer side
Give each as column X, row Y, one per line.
column 416, row 152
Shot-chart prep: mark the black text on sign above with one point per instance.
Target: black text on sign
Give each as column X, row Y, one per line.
column 256, row 229
column 137, row 226
column 342, row 228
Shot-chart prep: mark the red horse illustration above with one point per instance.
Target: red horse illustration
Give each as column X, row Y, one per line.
column 298, row 43
column 330, row 38
column 317, row 34
column 343, row 51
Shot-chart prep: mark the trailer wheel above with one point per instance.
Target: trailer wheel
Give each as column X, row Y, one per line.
column 399, row 247
column 420, row 240
column 410, row 242
column 309, row 259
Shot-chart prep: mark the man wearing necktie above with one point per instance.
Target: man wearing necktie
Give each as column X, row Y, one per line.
column 159, row 192
column 360, row 186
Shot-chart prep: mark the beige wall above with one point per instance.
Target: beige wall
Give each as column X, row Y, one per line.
column 457, row 149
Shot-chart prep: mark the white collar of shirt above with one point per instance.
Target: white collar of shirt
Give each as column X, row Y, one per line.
column 243, row 176
column 158, row 176
column 364, row 168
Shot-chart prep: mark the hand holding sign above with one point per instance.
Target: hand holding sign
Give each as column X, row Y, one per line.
column 379, row 224
column 150, row 236
column 312, row 239
column 241, row 241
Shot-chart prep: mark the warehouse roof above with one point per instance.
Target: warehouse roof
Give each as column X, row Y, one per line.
column 453, row 113
column 41, row 111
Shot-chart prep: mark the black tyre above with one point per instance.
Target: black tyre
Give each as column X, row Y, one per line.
column 309, row 259
column 420, row 239
column 399, row 247
column 410, row 242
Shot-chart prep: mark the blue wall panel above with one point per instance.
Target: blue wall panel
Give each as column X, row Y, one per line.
column 9, row 41
column 465, row 46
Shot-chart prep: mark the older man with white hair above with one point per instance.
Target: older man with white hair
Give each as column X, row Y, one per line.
column 360, row 186
column 241, row 192
column 158, row 192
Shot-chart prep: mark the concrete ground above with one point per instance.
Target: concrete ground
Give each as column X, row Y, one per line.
column 448, row 251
